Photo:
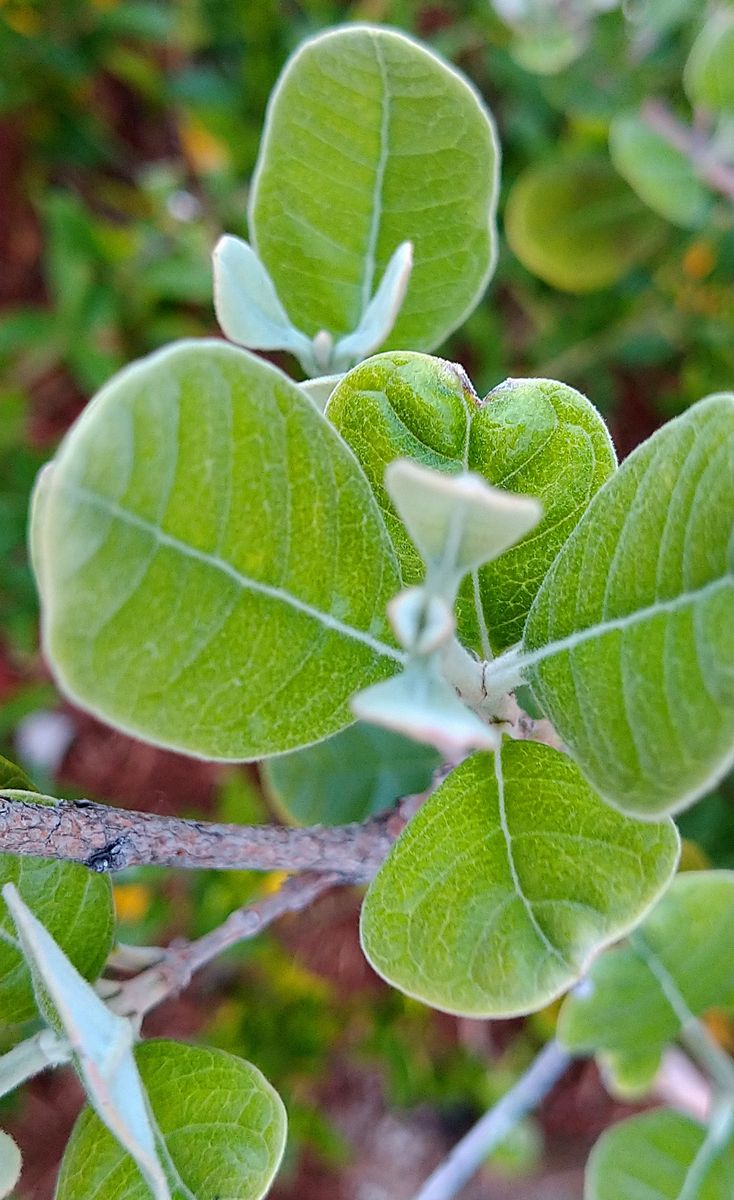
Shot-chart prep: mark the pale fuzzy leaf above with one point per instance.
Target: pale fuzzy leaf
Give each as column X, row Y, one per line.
column 629, row 646
column 661, row 1155
column 222, row 1128
column 75, row 905
column 10, row 1164
column 507, row 882
column 102, row 1042
column 577, row 225
column 420, row 704
column 662, row 175
column 621, row 1011
column 458, row 522
column 217, row 569
column 360, row 771
column 247, row 305
column 35, row 520
column 380, row 314
column 371, row 140
column 319, row 389
column 45, row 1049
column 422, row 622
column 534, row 437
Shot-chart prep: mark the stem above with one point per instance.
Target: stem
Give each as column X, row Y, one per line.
column 109, row 839
column 29, row 1058
column 469, row 1154
column 718, row 1136
column 136, row 997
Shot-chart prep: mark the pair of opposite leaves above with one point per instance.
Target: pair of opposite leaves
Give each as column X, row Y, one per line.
column 215, row 568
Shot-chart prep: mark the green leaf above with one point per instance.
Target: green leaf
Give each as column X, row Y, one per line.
column 661, row 175
column 508, row 880
column 372, row 140
column 659, row 1155
column 708, row 77
column 533, row 436
column 359, row 772
column 682, row 951
column 577, row 225
column 73, row 903
column 629, row 646
column 222, row 1124
column 215, row 570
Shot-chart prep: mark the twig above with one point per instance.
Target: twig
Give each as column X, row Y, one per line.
column 700, row 154
column 137, row 996
column 108, row 839
column 469, row 1154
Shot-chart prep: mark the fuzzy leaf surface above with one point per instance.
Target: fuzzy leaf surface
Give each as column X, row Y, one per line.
column 506, row 882
column 655, row 1156
column 215, row 568
column 630, row 643
column 222, row 1123
column 73, row 903
column 533, row 437
column 577, row 225
column 372, row 140
column 357, row 773
column 684, row 947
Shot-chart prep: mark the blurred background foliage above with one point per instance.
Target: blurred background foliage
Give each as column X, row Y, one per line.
column 128, row 132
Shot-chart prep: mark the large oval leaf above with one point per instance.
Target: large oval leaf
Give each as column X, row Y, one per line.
column 623, row 1011
column 530, row 436
column 662, row 175
column 349, row 777
column 659, row 1156
column 508, row 880
column 371, row 140
column 577, row 225
column 708, row 77
column 215, row 570
column 73, row 903
column 222, row 1124
column 629, row 646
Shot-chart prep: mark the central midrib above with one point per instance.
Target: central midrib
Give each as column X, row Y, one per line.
column 368, row 277
column 111, row 508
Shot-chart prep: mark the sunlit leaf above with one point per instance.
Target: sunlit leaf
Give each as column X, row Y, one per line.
column 708, row 76
column 222, row 1125
column 662, row 175
column 215, row 570
column 629, row 646
column 507, row 881
column 371, row 141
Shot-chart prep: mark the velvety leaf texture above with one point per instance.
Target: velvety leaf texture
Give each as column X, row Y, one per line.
column 349, row 777
column 653, row 1157
column 215, row 568
column 371, row 140
column 630, row 642
column 683, row 952
column 577, row 225
column 506, row 882
column 74, row 904
column 530, row 436
column 222, row 1124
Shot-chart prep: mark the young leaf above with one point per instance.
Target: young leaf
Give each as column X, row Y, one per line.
column 662, row 175
column 247, row 306
column 215, row 568
column 683, row 952
column 629, row 646
column 10, row 1164
column 349, row 777
column 661, row 1155
column 74, row 904
column 507, row 881
column 708, row 77
column 371, row 141
column 222, row 1125
column 532, row 437
column 577, row 225
column 102, row 1043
